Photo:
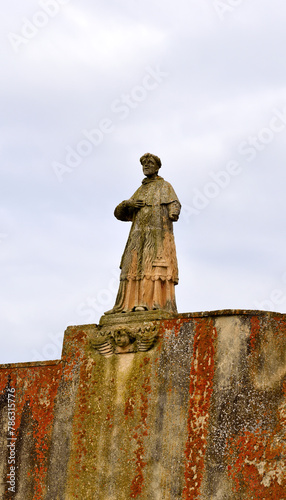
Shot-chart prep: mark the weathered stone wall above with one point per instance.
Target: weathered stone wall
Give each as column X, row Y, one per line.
column 200, row 416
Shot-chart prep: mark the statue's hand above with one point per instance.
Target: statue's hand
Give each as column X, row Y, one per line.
column 174, row 217
column 174, row 210
column 135, row 203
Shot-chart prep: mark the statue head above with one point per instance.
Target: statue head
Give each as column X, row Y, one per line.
column 151, row 164
column 121, row 338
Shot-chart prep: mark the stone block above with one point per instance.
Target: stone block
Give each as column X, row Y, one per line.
column 198, row 412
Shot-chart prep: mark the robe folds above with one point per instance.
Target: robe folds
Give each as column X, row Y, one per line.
column 149, row 269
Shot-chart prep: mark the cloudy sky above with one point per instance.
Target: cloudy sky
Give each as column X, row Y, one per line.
column 88, row 87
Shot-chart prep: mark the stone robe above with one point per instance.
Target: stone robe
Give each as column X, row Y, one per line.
column 149, row 269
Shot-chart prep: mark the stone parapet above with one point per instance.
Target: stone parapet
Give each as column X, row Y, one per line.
column 188, row 406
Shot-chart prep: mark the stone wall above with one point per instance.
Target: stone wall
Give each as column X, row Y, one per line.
column 201, row 415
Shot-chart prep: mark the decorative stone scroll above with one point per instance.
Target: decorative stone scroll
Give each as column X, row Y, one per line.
column 123, row 339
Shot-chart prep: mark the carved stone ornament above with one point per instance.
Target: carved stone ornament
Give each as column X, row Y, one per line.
column 123, row 339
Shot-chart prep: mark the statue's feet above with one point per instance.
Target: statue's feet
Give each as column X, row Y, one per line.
column 116, row 311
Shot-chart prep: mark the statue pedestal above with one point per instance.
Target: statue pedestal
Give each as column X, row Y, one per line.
column 133, row 317
column 195, row 415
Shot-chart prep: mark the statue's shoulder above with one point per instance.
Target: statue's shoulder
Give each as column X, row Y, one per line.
column 164, row 183
column 161, row 180
column 168, row 194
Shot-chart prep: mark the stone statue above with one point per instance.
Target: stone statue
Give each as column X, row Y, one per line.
column 149, row 270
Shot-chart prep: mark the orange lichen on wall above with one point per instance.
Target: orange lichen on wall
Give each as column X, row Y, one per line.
column 256, row 455
column 254, row 332
column 201, row 385
column 173, row 326
column 258, row 462
column 35, row 388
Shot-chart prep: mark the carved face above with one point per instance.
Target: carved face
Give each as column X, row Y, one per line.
column 121, row 339
column 150, row 166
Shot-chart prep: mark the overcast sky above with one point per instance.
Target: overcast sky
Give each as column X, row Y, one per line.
column 86, row 89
